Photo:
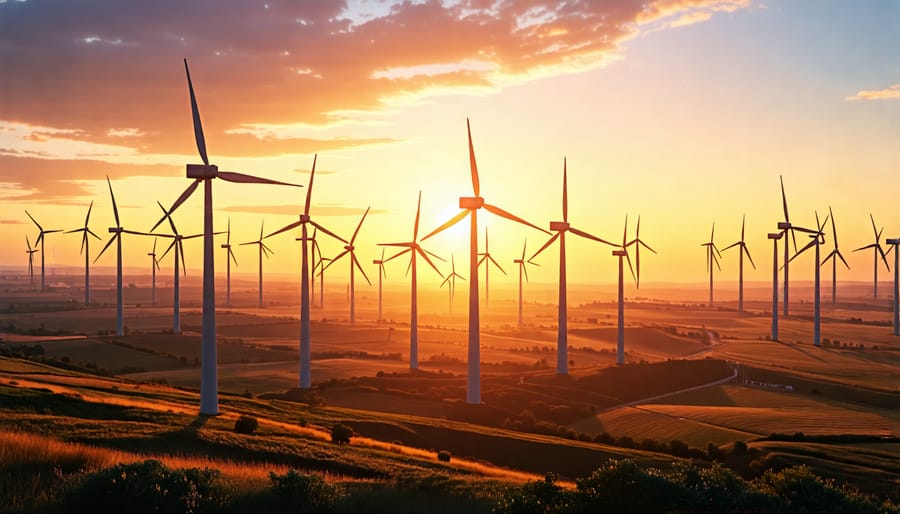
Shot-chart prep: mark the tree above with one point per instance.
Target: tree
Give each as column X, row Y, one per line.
column 341, row 434
column 246, row 425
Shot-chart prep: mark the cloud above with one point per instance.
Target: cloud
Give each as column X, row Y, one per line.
column 877, row 94
column 12, row 222
column 316, row 210
column 690, row 18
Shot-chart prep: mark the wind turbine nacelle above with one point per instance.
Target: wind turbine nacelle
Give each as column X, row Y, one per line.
column 619, row 253
column 559, row 226
column 226, row 246
column 376, row 261
column 471, row 202
column 202, row 171
column 349, row 248
column 518, row 261
column 775, row 235
column 783, row 225
column 892, row 241
column 115, row 230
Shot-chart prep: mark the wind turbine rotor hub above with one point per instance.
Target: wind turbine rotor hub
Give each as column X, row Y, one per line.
column 471, row 202
column 559, row 226
column 304, row 218
column 349, row 248
column 202, row 171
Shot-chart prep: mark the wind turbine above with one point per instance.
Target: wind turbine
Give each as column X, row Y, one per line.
column 228, row 253
column 638, row 243
column 30, row 251
column 561, row 227
column 40, row 240
column 470, row 206
column 878, row 251
column 381, row 274
column 316, row 262
column 117, row 232
column 621, row 252
column 305, row 379
column 153, row 267
column 85, row 249
column 487, row 259
column 742, row 246
column 896, row 301
column 711, row 252
column 818, row 237
column 322, row 265
column 414, row 249
column 775, row 236
column 205, row 173
column 450, row 281
column 786, row 227
column 522, row 269
column 179, row 256
column 263, row 249
column 834, row 256
column 349, row 249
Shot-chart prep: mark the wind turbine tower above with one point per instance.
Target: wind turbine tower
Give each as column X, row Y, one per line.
column 775, row 236
column 742, row 247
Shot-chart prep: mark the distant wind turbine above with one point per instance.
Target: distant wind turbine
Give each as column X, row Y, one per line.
column 415, row 250
column 522, row 262
column 561, row 227
column 786, row 227
column 381, row 274
column 228, row 254
column 775, row 236
column 638, row 243
column 621, row 252
column 350, row 249
column 878, row 251
column 895, row 303
column 834, row 255
column 85, row 249
column 818, row 237
column 30, row 251
column 742, row 247
column 322, row 265
column 470, row 206
column 40, row 241
column 450, row 281
column 177, row 244
column 487, row 259
column 263, row 250
column 711, row 258
column 154, row 265
column 305, row 379
column 205, row 173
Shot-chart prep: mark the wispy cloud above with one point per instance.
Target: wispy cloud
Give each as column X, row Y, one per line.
column 317, row 210
column 877, row 94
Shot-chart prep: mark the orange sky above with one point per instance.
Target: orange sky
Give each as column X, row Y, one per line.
column 684, row 112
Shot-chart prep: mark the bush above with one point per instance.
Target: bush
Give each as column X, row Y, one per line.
column 246, row 425
column 538, row 497
column 443, row 456
column 341, row 434
column 148, row 487
column 303, row 492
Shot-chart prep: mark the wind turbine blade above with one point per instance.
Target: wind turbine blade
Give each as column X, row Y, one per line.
column 285, row 229
column 524, row 270
column 418, row 211
column 732, row 245
column 181, row 199
column 91, row 232
column 842, row 259
column 359, row 225
column 625, row 232
column 589, row 236
column 827, row 257
column 884, row 257
column 28, row 243
column 312, row 175
column 716, row 260
column 630, row 267
column 436, row 256
column 266, row 250
column 338, row 257
column 154, row 246
column 833, row 228
column 83, row 241
column 743, row 221
column 496, row 264
column 231, row 176
column 111, row 195
column 523, row 249
column 784, row 200
column 35, row 222
column 156, row 263
column 565, row 198
column 873, row 245
column 169, row 248
column 874, row 230
column 261, row 225
column 744, row 248
column 195, row 112
column 113, row 238
column 500, row 212
column 359, row 267
column 453, row 221
column 228, row 237
column 233, row 258
column 482, row 259
column 646, row 246
column 805, row 248
column 88, row 217
column 547, row 244
column 473, row 166
column 332, row 234
column 428, row 260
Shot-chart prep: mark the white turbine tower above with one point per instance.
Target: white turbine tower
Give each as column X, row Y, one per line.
column 470, row 206
column 381, row 274
column 878, row 251
column 620, row 252
column 205, row 173
column 305, row 380
column 895, row 303
column 561, row 228
column 85, row 249
column 742, row 247
column 40, row 241
column 177, row 244
column 487, row 259
column 414, row 250
column 786, row 227
column 263, row 250
column 834, row 255
column 229, row 256
column 522, row 262
column 638, row 243
column 450, row 282
column 350, row 249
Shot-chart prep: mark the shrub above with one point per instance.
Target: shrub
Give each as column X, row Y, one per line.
column 622, row 486
column 443, row 456
column 246, row 425
column 341, row 434
column 148, row 487
column 303, row 492
column 538, row 497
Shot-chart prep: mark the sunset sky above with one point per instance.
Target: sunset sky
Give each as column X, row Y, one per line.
column 684, row 112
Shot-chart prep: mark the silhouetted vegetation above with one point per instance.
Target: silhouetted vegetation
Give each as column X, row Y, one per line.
column 246, row 425
column 341, row 434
